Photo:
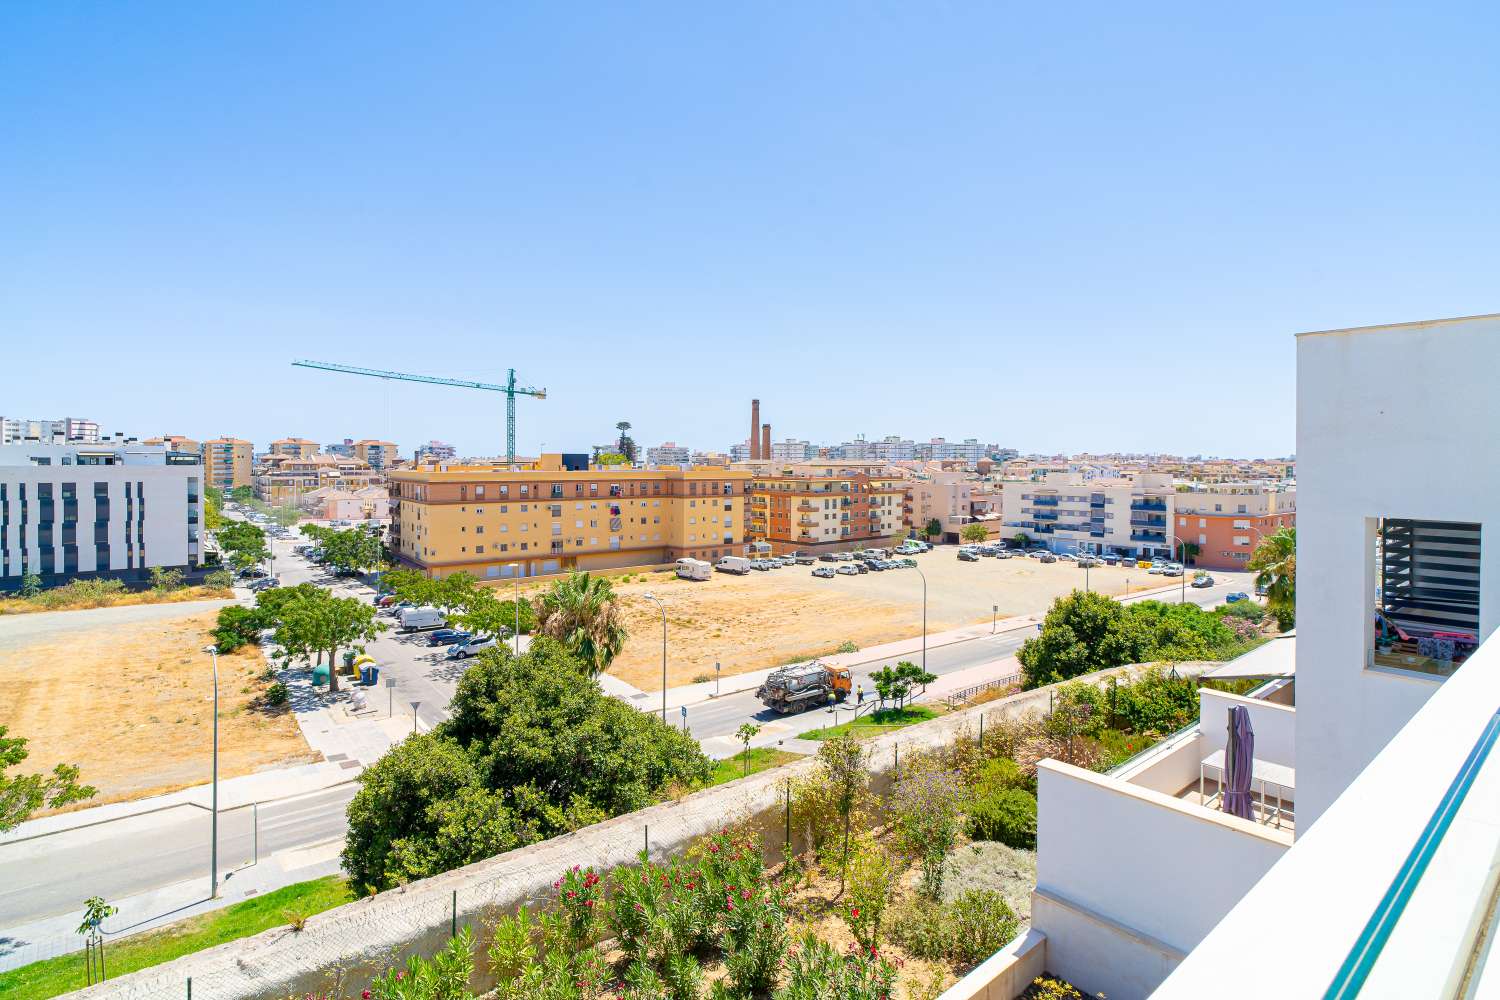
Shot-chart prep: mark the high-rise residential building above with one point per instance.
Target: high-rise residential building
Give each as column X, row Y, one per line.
column 341, row 449
column 1226, row 521
column 227, row 463
column 1067, row 513
column 294, row 447
column 496, row 522
column 739, row 452
column 66, row 430
column 669, row 453
column 100, row 510
column 825, row 505
column 377, row 454
column 436, row 451
column 792, row 450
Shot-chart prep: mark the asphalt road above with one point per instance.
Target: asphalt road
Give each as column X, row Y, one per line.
column 52, row 875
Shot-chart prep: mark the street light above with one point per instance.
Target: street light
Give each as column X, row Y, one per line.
column 924, row 617
column 652, row 597
column 516, row 600
column 213, row 850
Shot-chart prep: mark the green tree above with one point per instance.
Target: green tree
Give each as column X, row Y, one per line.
column 243, row 543
column 934, row 529
column 355, row 550
column 1275, row 564
column 974, row 532
column 317, row 623
column 237, row 626
column 164, row 580
column 1021, row 539
column 1187, row 551
column 23, row 794
column 533, row 748
column 1083, row 632
column 583, row 613
column 31, row 585
column 745, row 734
column 485, row 614
column 213, row 509
column 626, row 444
column 242, row 494
column 895, row 683
column 844, row 768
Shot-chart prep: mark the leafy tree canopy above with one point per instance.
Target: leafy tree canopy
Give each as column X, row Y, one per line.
column 23, row 794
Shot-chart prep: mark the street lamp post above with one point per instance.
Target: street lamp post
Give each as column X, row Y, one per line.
column 652, row 597
column 213, row 850
column 516, row 599
column 924, row 617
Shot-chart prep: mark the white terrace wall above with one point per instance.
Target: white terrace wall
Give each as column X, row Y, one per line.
column 1129, row 879
column 354, row 941
column 1275, row 726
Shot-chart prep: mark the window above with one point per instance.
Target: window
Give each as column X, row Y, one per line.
column 1426, row 582
column 479, row 549
column 478, row 529
column 478, row 492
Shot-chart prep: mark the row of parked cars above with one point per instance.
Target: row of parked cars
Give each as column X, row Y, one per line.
column 865, row 561
column 410, row 619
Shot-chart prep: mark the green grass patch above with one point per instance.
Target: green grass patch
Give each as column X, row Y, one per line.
column 65, row 973
column 874, row 723
column 761, row 759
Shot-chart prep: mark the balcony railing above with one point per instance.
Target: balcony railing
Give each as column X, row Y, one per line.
column 1045, row 515
column 1148, row 522
column 1044, row 501
column 1148, row 536
column 1157, row 505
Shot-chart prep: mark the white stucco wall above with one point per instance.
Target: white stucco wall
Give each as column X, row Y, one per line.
column 1129, row 879
column 1275, row 726
column 1398, row 421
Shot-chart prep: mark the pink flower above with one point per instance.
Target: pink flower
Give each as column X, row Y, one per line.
column 365, row 995
column 854, row 912
column 729, row 904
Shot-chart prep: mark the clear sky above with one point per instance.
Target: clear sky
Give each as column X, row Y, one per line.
column 1054, row 226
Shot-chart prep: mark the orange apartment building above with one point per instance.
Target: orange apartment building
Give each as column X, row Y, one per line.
column 1228, row 521
column 826, row 506
column 499, row 522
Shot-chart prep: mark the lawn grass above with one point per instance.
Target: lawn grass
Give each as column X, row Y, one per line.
column 65, row 973
column 875, row 723
column 761, row 759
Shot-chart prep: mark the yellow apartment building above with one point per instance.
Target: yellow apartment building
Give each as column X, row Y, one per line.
column 226, row 463
column 495, row 522
column 176, row 442
column 376, row 454
column 294, row 447
column 825, row 506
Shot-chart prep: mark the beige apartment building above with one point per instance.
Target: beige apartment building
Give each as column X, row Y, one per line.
column 285, row 479
column 498, row 522
column 176, row 442
column 227, row 463
column 377, row 455
column 294, row 447
column 945, row 497
column 824, row 506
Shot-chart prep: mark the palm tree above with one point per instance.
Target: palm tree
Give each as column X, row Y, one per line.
column 583, row 614
column 1275, row 563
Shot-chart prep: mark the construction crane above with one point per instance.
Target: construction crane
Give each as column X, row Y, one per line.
column 510, row 389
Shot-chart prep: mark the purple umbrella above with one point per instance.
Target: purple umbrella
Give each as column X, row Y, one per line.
column 1239, row 757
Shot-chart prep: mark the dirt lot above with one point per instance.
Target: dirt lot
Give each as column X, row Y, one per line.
column 131, row 704
column 763, row 619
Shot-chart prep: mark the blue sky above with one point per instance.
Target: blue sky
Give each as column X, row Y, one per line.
column 1058, row 227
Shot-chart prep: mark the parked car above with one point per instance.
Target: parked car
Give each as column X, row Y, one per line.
column 762, row 565
column 804, row 560
column 909, row 563
column 828, row 557
column 1047, row 557
column 1202, row 580
column 1110, row 560
column 824, row 571
column 471, row 647
column 860, row 567
column 448, row 636
column 1172, row 569
column 1070, row 557
column 848, row 571
column 1236, row 597
column 878, row 565
column 1003, row 553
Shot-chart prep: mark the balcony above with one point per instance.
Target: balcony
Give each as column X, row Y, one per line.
column 1148, row 536
column 1045, row 515
column 1044, row 501
column 1148, row 522
column 1153, row 504
column 807, row 505
column 807, row 522
column 805, row 537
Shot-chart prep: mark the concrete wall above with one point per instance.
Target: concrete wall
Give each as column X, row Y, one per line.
column 1005, row 974
column 1170, row 767
column 1129, row 879
column 357, row 939
column 1393, row 421
column 1275, row 726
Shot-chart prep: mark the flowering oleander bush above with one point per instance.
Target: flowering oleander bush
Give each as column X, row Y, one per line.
column 579, row 893
column 816, row 971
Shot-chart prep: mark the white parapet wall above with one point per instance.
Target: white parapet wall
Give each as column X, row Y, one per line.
column 352, row 942
column 1005, row 974
column 1274, row 725
column 1130, row 879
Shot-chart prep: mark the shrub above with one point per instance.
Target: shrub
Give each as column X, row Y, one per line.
column 237, row 626
column 1248, row 610
column 926, row 805
column 847, row 646
column 1085, row 703
column 816, row 971
column 82, row 593
column 276, row 695
column 1155, row 703
column 1002, row 773
column 1048, row 988
column 872, row 876
column 980, row 923
column 220, row 579
column 445, row 976
column 1007, row 815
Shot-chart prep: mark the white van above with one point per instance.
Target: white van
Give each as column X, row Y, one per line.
column 421, row 619
column 733, row 564
column 694, row 569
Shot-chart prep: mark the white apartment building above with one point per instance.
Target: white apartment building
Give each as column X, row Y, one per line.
column 110, row 510
column 792, row 450
column 17, row 430
column 433, row 451
column 668, row 453
column 1368, row 865
column 1066, row 512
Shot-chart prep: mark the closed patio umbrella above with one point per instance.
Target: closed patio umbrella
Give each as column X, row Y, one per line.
column 1239, row 757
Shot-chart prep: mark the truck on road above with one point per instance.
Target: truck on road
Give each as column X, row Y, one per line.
column 804, row 685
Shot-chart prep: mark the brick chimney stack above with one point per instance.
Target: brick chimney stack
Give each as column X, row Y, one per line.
column 765, row 441
column 754, row 429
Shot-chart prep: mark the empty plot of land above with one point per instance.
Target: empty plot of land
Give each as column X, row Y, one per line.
column 764, row 619
column 131, row 703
